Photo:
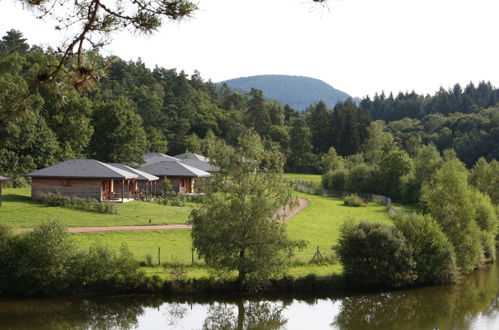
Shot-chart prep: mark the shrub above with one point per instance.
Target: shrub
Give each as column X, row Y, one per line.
column 359, row 179
column 102, row 269
column 335, row 180
column 45, row 262
column 354, row 200
column 169, row 201
column 375, row 254
column 433, row 252
column 88, row 204
column 38, row 262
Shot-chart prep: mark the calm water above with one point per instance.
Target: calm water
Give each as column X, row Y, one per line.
column 473, row 304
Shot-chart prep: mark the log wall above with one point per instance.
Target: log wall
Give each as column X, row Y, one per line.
column 88, row 188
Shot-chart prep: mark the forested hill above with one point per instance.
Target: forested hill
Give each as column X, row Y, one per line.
column 297, row 91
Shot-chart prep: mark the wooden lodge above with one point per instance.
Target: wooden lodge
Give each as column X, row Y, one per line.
column 2, row 180
column 86, row 178
column 181, row 176
column 145, row 184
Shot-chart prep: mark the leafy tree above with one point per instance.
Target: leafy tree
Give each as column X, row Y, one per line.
column 393, row 167
column 486, row 218
column 332, row 161
column 116, row 124
column 375, row 254
column 433, row 253
column 26, row 142
column 426, row 162
column 378, row 143
column 447, row 198
column 485, row 177
column 238, row 226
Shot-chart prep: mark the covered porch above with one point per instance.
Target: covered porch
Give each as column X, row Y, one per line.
column 118, row 191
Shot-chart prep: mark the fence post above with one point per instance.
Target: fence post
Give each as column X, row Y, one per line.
column 159, row 256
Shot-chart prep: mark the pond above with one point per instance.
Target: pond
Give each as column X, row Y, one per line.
column 472, row 304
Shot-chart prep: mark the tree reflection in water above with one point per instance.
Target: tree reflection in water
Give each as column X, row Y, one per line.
column 250, row 315
column 176, row 312
column 443, row 307
column 75, row 313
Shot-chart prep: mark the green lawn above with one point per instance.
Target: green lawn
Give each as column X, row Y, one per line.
column 303, row 177
column 318, row 224
column 19, row 211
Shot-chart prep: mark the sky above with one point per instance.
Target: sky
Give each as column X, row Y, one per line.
column 358, row 46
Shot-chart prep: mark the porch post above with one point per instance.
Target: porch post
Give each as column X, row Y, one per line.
column 123, row 191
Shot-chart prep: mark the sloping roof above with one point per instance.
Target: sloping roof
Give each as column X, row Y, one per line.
column 173, row 169
column 190, row 155
column 143, row 176
column 154, row 157
column 83, row 168
column 2, row 178
column 205, row 166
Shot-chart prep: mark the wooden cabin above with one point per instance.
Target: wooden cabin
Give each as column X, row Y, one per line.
column 145, row 184
column 2, row 180
column 86, row 178
column 181, row 176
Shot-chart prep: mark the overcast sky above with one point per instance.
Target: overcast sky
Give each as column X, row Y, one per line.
column 358, row 46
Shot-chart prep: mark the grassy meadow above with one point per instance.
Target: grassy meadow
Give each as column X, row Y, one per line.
column 303, row 177
column 318, row 224
column 20, row 211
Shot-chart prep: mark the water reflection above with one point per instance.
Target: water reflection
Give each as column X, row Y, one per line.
column 248, row 315
column 444, row 307
column 472, row 304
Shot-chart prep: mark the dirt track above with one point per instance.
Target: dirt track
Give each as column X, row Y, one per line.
column 302, row 203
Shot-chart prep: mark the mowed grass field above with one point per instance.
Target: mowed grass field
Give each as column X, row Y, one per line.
column 20, row 211
column 303, row 177
column 318, row 224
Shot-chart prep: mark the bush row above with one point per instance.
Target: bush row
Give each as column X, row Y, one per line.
column 46, row 262
column 87, row 204
column 178, row 200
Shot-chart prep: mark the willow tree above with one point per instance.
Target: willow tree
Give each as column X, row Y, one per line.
column 238, row 227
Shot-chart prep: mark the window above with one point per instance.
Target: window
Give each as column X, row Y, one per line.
column 66, row 183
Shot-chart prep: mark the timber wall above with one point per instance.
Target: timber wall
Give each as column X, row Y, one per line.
column 88, row 188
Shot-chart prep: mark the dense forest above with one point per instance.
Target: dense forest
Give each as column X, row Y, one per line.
column 136, row 110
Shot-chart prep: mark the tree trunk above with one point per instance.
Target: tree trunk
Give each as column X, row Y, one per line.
column 240, row 314
column 241, row 280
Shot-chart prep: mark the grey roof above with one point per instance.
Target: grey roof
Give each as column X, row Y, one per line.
column 191, row 155
column 83, row 168
column 173, row 169
column 205, row 166
column 2, row 178
column 143, row 176
column 154, row 157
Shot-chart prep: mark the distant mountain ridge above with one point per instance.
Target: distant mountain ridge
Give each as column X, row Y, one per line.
column 297, row 91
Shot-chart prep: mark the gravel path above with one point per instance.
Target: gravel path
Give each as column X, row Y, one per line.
column 302, row 203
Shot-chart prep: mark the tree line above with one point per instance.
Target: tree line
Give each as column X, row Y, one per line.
column 132, row 110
